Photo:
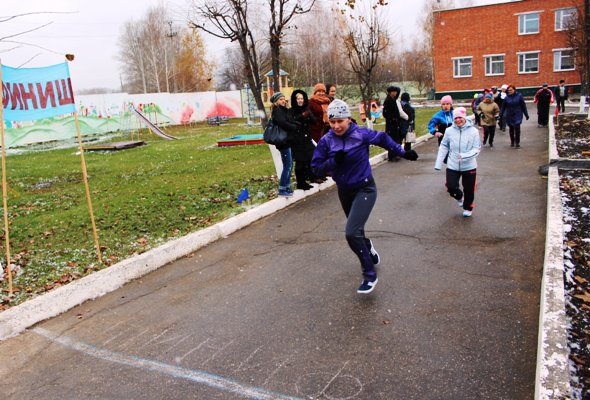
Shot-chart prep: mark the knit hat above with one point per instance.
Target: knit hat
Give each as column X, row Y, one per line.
column 504, row 87
column 460, row 112
column 446, row 99
column 276, row 96
column 318, row 87
column 338, row 109
column 488, row 95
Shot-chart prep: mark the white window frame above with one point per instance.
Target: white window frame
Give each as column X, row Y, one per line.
column 559, row 18
column 560, row 51
column 522, row 22
column 526, row 53
column 457, row 64
column 490, row 56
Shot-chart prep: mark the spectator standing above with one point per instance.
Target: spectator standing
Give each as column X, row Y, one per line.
column 499, row 100
column 302, row 147
column 512, row 111
column 442, row 119
column 543, row 98
column 488, row 111
column 477, row 98
column 393, row 113
column 460, row 146
column 318, row 105
column 343, row 153
column 560, row 93
column 406, row 125
column 283, row 118
column 331, row 91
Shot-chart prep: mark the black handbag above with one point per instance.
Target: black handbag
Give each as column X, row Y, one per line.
column 274, row 134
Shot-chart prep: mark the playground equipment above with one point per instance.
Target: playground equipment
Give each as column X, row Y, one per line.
column 375, row 112
column 149, row 124
column 283, row 87
column 241, row 140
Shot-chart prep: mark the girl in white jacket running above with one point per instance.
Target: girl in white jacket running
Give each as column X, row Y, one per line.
column 461, row 144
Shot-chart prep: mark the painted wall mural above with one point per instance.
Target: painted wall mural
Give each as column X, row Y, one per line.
column 99, row 114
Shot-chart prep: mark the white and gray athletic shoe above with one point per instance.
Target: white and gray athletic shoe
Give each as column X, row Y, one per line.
column 374, row 255
column 367, row 286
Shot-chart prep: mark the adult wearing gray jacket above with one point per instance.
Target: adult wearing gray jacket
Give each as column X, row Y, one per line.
column 462, row 146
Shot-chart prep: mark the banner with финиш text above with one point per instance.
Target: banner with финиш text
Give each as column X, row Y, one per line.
column 30, row 94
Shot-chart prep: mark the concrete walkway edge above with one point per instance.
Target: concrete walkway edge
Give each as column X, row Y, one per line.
column 16, row 319
column 552, row 375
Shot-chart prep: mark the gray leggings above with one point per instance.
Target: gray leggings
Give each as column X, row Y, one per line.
column 357, row 205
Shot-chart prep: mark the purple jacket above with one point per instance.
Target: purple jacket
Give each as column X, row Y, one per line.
column 355, row 171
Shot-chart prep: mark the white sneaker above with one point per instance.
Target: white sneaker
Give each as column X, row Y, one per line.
column 467, row 213
column 460, row 203
column 367, row 286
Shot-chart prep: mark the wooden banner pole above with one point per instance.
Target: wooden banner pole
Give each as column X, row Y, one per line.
column 85, row 175
column 4, row 191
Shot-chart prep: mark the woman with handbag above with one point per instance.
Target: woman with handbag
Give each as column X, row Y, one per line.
column 282, row 117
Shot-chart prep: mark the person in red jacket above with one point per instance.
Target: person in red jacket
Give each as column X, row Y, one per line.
column 318, row 105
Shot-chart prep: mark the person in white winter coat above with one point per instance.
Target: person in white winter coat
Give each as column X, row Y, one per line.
column 462, row 146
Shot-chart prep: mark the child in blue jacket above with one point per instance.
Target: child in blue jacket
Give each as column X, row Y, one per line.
column 343, row 153
column 442, row 119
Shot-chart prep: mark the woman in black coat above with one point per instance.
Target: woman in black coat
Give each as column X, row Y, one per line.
column 393, row 116
column 302, row 147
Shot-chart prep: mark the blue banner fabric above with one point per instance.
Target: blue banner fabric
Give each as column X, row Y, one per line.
column 29, row 94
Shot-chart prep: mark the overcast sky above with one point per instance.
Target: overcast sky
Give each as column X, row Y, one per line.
column 90, row 30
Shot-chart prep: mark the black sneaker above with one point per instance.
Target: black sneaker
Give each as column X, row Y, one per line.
column 374, row 255
column 367, row 286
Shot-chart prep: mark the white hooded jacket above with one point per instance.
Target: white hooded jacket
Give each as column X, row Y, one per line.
column 462, row 146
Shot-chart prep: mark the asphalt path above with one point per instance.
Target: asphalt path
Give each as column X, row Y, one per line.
column 271, row 312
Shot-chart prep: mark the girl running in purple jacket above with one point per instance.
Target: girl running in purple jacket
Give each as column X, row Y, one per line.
column 343, row 154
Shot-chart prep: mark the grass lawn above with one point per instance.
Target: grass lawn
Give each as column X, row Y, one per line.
column 142, row 197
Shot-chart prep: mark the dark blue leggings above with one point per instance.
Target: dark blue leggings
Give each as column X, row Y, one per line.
column 357, row 205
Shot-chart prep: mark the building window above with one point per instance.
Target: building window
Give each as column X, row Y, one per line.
column 565, row 19
column 494, row 64
column 528, row 63
column 563, row 60
column 528, row 23
column 461, row 67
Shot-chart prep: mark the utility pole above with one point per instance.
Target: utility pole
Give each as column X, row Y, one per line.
column 169, row 35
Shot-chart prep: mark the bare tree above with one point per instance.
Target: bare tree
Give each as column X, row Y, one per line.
column 427, row 24
column 418, row 66
column 143, row 52
column 10, row 38
column 229, row 19
column 309, row 56
column 578, row 38
column 132, row 58
column 365, row 37
column 281, row 14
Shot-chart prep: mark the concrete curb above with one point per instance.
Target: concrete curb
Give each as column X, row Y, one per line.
column 552, row 377
column 16, row 319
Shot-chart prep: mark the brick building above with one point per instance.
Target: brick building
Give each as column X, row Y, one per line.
column 521, row 42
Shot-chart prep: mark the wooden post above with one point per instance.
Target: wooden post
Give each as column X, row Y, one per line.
column 85, row 176
column 4, row 191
